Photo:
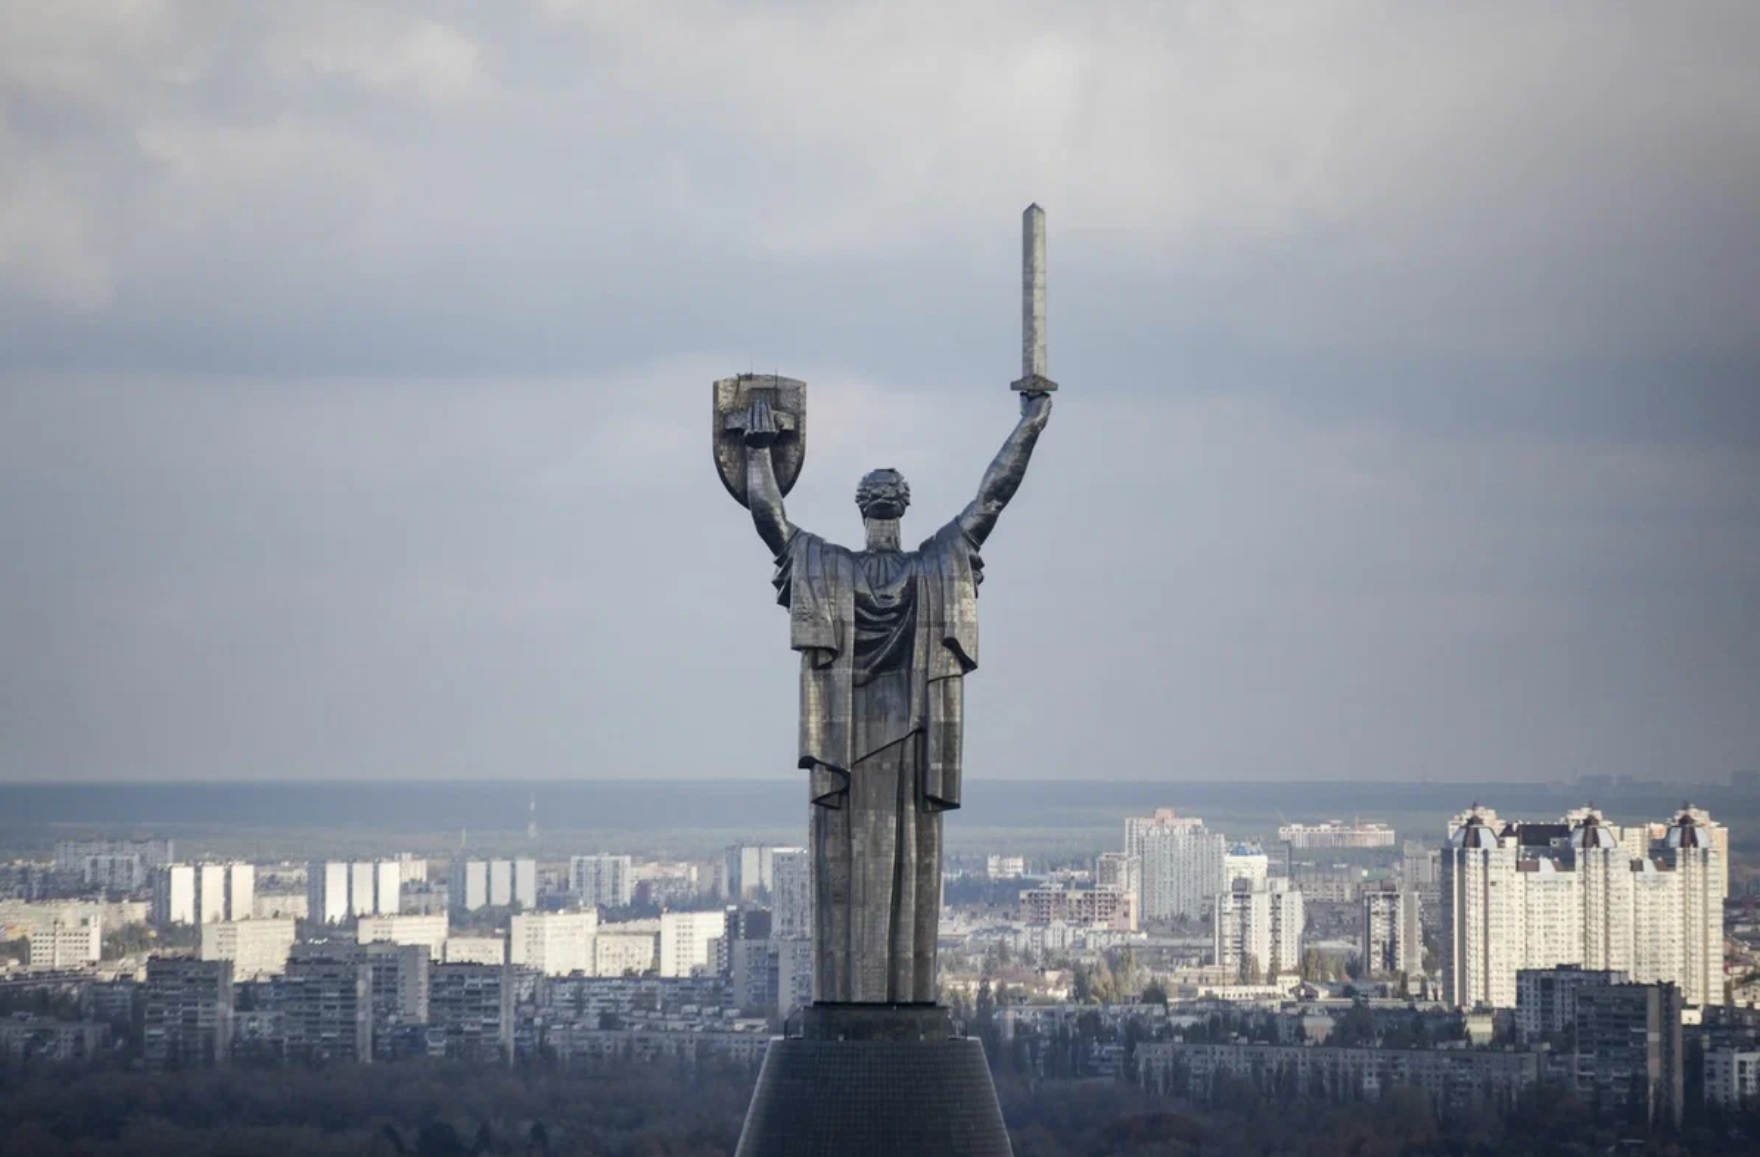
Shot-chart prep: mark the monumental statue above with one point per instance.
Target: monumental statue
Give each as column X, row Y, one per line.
column 886, row 637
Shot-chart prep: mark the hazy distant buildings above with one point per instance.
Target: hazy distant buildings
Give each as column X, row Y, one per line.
column 1580, row 892
column 117, row 865
column 602, row 881
column 750, row 871
column 1336, row 834
column 203, row 893
column 1120, row 870
column 187, row 1010
column 1005, row 867
column 1257, row 931
column 337, row 890
column 1080, row 907
column 1182, row 864
column 254, row 947
column 665, row 884
column 475, row 884
column 1392, row 938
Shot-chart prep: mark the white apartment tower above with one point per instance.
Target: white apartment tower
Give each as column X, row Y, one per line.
column 1481, row 917
column 1540, row 896
column 686, row 941
column 1691, row 851
column 1182, row 864
column 337, row 890
column 472, row 884
column 601, row 881
column 1258, row 928
column 327, row 891
column 203, row 893
column 174, row 894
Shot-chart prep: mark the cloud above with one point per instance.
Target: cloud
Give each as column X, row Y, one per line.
column 356, row 362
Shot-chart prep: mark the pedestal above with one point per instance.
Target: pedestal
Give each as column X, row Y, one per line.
column 874, row 1080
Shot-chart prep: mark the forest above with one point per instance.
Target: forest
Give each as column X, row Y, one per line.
column 435, row 1109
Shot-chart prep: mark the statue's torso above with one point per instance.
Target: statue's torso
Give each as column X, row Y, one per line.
column 886, row 612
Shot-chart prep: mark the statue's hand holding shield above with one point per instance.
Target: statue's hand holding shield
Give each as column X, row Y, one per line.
column 759, row 411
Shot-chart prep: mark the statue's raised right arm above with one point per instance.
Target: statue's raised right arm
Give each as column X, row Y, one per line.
column 763, row 495
column 1010, row 466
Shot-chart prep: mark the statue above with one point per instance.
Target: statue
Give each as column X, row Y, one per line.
column 886, row 636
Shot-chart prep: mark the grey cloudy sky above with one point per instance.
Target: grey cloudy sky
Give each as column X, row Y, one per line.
column 354, row 365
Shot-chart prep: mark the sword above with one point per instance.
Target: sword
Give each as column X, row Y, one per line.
column 1034, row 363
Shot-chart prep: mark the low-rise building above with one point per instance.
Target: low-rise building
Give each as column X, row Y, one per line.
column 475, row 950
column 426, row 930
column 67, row 944
column 1107, row 907
column 999, row 867
column 1337, row 834
column 625, row 949
column 553, row 943
column 255, row 947
column 1458, row 1081
column 26, row 1040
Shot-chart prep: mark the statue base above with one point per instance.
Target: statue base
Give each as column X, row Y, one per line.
column 874, row 1080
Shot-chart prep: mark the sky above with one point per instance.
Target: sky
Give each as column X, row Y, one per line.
column 355, row 368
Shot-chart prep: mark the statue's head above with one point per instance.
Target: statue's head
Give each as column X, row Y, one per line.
column 883, row 494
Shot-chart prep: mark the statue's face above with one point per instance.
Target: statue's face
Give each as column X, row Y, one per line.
column 883, row 494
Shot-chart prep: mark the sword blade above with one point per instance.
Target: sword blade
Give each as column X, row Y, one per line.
column 1034, row 362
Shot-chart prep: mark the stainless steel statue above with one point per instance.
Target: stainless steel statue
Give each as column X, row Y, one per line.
column 886, row 637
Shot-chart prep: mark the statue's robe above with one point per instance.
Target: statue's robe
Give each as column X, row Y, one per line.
column 885, row 638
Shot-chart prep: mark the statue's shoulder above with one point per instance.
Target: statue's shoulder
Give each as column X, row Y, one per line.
column 952, row 536
column 810, row 550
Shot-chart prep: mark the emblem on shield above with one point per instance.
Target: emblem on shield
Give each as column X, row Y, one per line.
column 764, row 401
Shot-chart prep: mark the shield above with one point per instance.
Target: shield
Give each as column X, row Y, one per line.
column 734, row 398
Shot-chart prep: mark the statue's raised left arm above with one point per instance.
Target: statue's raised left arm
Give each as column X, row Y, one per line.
column 763, row 494
column 1004, row 476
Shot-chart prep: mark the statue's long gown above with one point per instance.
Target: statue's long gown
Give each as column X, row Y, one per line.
column 885, row 639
